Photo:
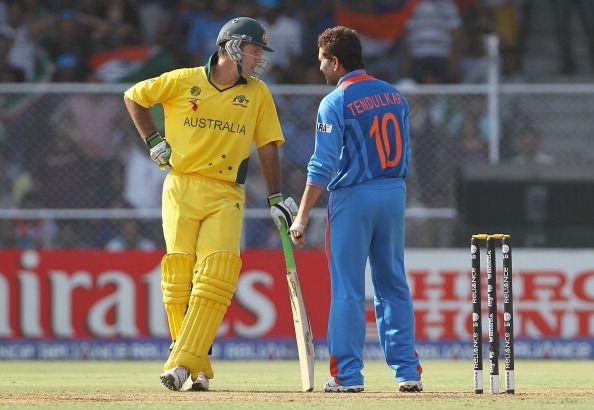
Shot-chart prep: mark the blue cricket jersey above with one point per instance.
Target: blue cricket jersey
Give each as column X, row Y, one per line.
column 362, row 133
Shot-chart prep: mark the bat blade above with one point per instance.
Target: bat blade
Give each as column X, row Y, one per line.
column 303, row 333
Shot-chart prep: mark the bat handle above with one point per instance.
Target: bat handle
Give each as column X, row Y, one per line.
column 287, row 247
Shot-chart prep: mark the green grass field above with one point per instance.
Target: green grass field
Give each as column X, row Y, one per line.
column 276, row 385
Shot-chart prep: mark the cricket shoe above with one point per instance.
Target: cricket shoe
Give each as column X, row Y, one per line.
column 332, row 387
column 411, row 386
column 201, row 383
column 174, row 378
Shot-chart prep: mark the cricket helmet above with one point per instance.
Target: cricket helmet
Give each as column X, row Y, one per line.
column 246, row 29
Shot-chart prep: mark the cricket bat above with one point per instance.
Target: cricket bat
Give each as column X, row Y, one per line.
column 305, row 346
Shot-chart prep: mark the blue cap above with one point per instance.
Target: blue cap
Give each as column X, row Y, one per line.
column 67, row 61
column 268, row 3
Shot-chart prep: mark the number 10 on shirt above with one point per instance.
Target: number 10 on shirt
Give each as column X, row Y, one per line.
column 305, row 346
column 381, row 133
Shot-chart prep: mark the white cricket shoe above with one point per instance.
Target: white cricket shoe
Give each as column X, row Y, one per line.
column 201, row 383
column 332, row 387
column 412, row 386
column 174, row 378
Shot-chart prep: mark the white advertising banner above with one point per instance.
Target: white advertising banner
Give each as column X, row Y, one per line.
column 553, row 296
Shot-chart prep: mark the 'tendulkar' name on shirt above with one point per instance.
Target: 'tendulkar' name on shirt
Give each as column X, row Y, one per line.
column 373, row 101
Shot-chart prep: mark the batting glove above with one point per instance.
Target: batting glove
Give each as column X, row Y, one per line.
column 297, row 232
column 160, row 151
column 282, row 210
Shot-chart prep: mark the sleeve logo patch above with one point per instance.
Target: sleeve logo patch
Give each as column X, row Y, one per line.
column 325, row 128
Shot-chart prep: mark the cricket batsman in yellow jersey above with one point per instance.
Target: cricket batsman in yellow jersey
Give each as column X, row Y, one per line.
column 213, row 114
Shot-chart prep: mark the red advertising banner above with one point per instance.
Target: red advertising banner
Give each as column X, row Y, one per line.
column 87, row 294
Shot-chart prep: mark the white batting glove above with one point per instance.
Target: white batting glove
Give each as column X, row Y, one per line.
column 160, row 151
column 282, row 210
column 297, row 232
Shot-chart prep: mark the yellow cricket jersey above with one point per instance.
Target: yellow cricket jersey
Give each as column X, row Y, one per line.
column 211, row 130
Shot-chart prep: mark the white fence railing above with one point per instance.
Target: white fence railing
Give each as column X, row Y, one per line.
column 451, row 125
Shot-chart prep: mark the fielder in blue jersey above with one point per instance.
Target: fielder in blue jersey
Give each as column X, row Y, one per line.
column 361, row 156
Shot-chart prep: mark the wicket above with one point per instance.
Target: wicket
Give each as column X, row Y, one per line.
column 508, row 315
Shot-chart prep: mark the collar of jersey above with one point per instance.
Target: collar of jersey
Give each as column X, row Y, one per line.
column 212, row 60
column 350, row 75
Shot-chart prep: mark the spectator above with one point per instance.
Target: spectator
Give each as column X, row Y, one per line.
column 68, row 236
column 317, row 17
column 34, row 232
column 529, row 148
column 506, row 21
column 432, row 145
column 120, row 23
column 3, row 10
column 525, row 20
column 478, row 22
column 23, row 52
column 8, row 238
column 432, row 41
column 150, row 16
column 70, row 44
column 9, row 73
column 563, row 12
column 473, row 109
column 472, row 146
column 129, row 238
column 58, row 184
column 37, row 9
column 285, row 39
column 173, row 30
column 103, row 230
column 143, row 182
column 203, row 29
column 298, row 116
column 14, row 184
column 68, row 69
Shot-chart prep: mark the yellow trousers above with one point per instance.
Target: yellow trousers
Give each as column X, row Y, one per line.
column 202, row 219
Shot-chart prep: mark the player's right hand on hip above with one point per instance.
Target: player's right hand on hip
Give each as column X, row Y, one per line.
column 282, row 209
column 160, row 151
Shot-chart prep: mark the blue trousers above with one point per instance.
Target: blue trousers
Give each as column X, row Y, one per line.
column 367, row 221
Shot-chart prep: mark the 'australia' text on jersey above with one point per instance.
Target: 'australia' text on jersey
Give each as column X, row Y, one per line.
column 214, row 124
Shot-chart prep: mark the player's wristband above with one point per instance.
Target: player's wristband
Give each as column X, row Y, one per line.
column 154, row 139
column 275, row 199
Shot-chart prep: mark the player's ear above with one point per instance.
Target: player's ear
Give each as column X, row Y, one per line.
column 335, row 63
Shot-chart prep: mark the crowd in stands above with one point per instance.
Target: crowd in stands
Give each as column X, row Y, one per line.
column 54, row 147
column 122, row 40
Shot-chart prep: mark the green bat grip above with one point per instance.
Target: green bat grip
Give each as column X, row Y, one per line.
column 287, row 247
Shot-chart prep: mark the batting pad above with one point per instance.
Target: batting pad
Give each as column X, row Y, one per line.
column 214, row 284
column 176, row 284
